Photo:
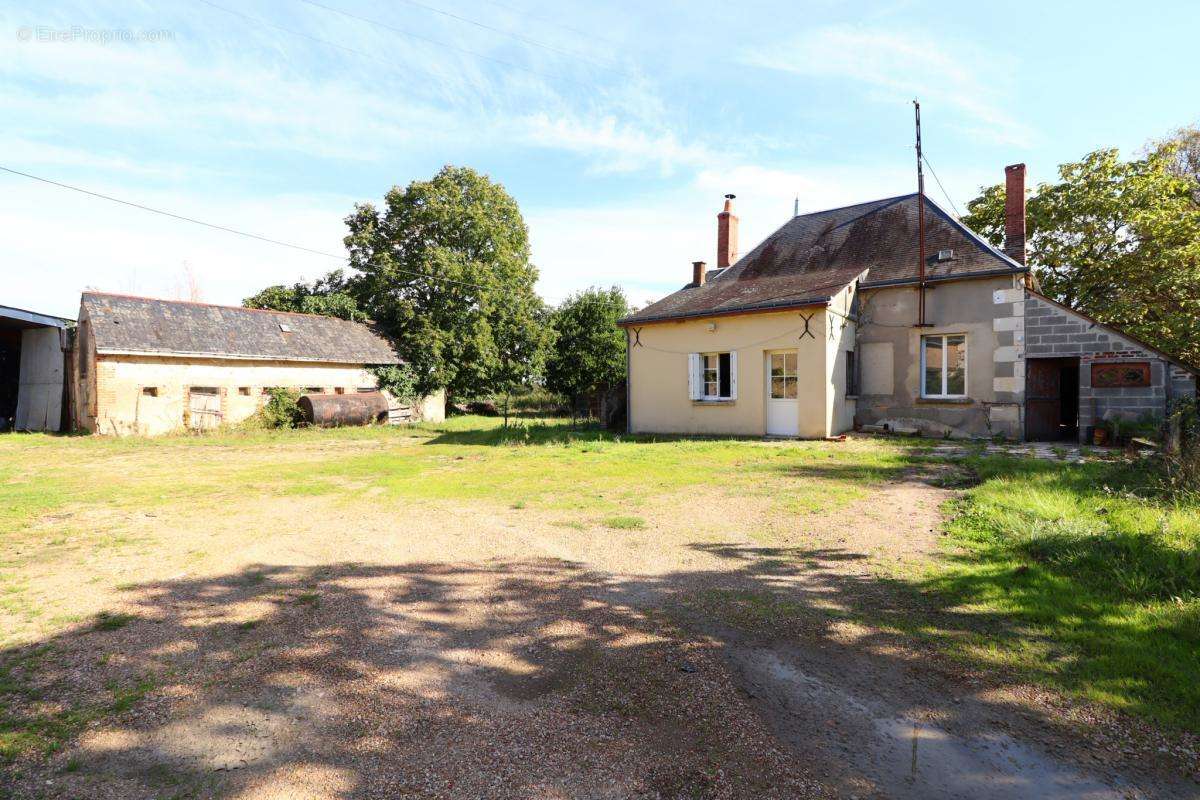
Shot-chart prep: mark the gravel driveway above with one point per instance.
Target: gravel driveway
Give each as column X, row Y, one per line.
column 458, row 652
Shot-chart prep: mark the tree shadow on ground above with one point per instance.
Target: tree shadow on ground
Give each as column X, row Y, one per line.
column 498, row 679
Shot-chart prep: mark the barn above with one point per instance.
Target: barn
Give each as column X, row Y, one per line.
column 33, row 360
column 148, row 366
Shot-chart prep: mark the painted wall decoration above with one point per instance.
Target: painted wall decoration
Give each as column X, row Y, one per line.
column 1120, row 376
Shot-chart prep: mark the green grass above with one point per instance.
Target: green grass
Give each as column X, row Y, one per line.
column 1070, row 577
column 1067, row 575
column 111, row 622
column 625, row 523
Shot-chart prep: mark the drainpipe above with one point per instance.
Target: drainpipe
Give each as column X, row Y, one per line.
column 628, row 387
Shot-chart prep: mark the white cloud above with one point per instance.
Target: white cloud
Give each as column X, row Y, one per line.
column 647, row 244
column 69, row 242
column 898, row 65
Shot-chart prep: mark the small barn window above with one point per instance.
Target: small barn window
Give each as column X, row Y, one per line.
column 150, row 391
column 365, row 389
column 340, row 390
column 244, row 391
column 314, row 390
column 851, row 374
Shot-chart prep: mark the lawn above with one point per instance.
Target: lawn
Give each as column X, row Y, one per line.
column 154, row 565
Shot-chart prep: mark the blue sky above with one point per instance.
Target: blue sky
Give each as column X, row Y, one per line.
column 618, row 126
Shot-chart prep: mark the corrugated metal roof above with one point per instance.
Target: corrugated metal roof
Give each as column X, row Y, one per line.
column 121, row 323
column 814, row 255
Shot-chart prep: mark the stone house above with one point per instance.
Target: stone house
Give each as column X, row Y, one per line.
column 147, row 366
column 834, row 322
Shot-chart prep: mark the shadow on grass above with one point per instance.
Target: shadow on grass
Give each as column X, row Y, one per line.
column 499, row 678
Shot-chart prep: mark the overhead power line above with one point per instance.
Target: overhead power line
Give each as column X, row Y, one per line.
column 214, row 226
column 549, row 21
column 468, row 21
column 939, row 183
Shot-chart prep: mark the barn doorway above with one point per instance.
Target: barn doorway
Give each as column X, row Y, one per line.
column 1052, row 399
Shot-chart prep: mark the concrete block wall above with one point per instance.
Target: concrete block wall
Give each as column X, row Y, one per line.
column 1053, row 331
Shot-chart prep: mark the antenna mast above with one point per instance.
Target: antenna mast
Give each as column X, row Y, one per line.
column 920, row 222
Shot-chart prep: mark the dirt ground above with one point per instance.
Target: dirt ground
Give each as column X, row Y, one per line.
column 463, row 651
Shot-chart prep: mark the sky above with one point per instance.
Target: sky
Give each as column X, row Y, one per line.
column 618, row 126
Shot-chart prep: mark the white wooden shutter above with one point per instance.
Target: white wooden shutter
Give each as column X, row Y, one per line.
column 733, row 375
column 695, row 383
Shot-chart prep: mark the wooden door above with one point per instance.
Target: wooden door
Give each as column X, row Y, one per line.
column 204, row 405
column 1043, row 399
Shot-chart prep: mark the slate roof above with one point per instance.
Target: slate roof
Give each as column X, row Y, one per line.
column 125, row 324
column 813, row 256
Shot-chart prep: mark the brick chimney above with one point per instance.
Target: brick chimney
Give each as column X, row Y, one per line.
column 698, row 269
column 1014, row 212
column 727, row 240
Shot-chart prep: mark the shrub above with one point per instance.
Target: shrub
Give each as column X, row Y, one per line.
column 281, row 410
column 1179, row 467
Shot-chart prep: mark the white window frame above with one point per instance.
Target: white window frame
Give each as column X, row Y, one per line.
column 944, row 394
column 697, row 385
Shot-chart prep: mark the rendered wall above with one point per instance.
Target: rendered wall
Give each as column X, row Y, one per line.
column 40, row 385
column 840, row 337
column 989, row 311
column 123, row 407
column 658, row 373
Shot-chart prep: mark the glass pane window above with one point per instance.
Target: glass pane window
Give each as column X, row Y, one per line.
column 944, row 365
column 956, row 365
column 784, row 376
column 933, row 365
column 712, row 375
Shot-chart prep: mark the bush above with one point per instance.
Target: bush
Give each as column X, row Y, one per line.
column 282, row 409
column 1179, row 475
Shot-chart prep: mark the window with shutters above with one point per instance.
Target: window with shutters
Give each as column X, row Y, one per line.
column 713, row 376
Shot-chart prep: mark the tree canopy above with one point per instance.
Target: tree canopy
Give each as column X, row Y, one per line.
column 444, row 269
column 589, row 348
column 1118, row 240
column 331, row 295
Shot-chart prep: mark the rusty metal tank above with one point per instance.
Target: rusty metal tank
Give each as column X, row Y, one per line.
column 335, row 410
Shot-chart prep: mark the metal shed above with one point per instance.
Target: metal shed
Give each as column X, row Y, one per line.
column 33, row 358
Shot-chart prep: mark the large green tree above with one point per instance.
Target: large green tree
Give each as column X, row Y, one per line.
column 332, row 295
column 1118, row 240
column 589, row 348
column 444, row 269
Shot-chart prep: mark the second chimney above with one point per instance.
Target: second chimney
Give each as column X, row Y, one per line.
column 1014, row 212
column 698, row 268
column 727, row 234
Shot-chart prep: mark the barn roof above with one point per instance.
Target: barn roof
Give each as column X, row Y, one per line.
column 813, row 256
column 126, row 324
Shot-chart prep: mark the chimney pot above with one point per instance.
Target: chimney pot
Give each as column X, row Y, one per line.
column 727, row 234
column 698, row 270
column 1014, row 212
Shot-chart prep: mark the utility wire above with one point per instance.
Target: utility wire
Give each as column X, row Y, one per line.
column 436, row 42
column 939, row 183
column 217, row 227
column 555, row 23
column 468, row 21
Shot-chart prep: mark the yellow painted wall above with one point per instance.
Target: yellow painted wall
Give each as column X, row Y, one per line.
column 124, row 408
column 839, row 408
column 658, row 373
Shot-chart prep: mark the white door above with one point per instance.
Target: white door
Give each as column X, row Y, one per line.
column 783, row 392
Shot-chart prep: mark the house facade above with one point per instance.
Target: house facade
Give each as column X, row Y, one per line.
column 834, row 322
column 146, row 366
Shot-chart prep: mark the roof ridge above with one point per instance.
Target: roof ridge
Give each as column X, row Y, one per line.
column 852, row 205
column 216, row 305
